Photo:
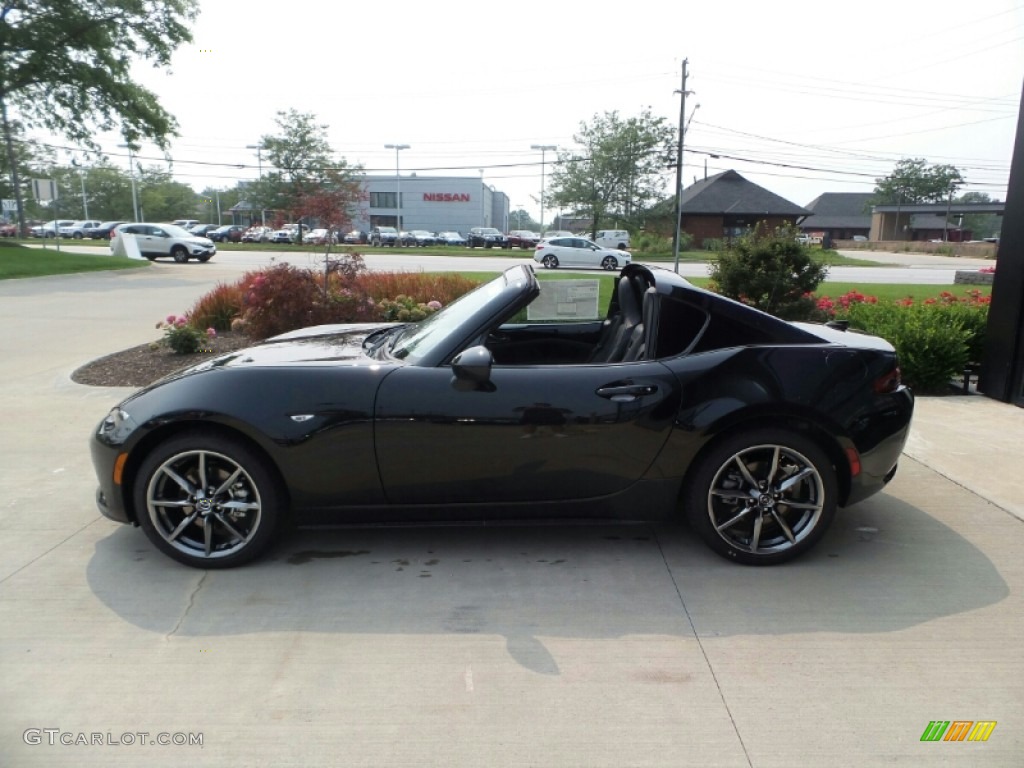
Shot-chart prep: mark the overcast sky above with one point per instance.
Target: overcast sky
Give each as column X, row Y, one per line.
column 799, row 97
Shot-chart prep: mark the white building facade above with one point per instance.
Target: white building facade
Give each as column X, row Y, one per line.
column 433, row 203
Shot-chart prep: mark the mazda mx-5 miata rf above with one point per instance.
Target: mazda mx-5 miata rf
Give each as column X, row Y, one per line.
column 677, row 403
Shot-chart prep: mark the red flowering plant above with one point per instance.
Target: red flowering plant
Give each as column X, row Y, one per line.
column 935, row 338
column 181, row 336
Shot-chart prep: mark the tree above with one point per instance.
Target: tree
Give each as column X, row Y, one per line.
column 979, row 224
column 307, row 181
column 913, row 181
column 520, row 219
column 65, row 67
column 618, row 172
column 770, row 270
column 161, row 198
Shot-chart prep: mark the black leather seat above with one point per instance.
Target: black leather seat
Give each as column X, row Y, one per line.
column 617, row 331
column 641, row 339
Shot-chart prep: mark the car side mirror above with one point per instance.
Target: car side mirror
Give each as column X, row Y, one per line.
column 471, row 370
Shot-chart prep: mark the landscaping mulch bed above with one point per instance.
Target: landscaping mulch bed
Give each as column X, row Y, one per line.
column 144, row 364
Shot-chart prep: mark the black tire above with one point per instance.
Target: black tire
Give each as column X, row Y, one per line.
column 230, row 521
column 77, row 235
column 774, row 519
column 179, row 254
column 550, row 261
column 609, row 263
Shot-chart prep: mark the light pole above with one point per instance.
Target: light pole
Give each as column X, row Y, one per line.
column 398, row 184
column 542, row 148
column 259, row 165
column 131, row 167
column 483, row 200
column 81, row 177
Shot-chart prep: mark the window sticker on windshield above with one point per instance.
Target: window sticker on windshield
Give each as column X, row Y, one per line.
column 565, row 300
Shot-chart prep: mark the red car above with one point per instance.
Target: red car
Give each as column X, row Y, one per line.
column 523, row 238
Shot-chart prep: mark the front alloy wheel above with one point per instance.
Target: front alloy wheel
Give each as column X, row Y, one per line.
column 610, row 263
column 207, row 501
column 763, row 497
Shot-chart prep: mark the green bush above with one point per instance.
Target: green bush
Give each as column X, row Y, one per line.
column 931, row 341
column 770, row 270
column 652, row 243
column 182, row 335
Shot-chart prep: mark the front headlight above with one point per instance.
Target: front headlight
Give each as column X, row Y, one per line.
column 116, row 427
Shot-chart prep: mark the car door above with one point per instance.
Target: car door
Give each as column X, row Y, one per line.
column 581, row 253
column 538, row 433
column 144, row 239
column 158, row 241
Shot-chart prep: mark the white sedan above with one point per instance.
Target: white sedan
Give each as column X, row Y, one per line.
column 578, row 252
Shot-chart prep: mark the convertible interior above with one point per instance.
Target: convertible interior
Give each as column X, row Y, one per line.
column 641, row 324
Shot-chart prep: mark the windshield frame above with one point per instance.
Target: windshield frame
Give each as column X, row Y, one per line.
column 438, row 338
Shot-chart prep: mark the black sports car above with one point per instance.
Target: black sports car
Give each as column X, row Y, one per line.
column 678, row 402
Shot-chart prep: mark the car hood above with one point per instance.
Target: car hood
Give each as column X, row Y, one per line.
column 315, row 346
column 306, row 346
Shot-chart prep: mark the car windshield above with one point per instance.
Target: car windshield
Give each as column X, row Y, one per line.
column 414, row 342
column 489, row 231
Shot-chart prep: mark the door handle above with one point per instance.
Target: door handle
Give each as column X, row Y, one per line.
column 627, row 393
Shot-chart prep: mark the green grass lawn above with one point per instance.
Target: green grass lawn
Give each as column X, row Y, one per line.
column 17, row 261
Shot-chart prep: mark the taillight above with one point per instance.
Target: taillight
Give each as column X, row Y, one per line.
column 888, row 382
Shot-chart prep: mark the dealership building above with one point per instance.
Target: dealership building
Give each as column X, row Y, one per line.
column 433, row 203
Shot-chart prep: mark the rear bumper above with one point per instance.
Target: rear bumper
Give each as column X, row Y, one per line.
column 880, row 446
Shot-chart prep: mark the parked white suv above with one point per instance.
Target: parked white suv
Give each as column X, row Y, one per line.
column 156, row 240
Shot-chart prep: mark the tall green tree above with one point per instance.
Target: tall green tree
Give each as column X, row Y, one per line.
column 65, row 67
column 161, row 198
column 307, row 180
column 980, row 224
column 617, row 172
column 914, row 181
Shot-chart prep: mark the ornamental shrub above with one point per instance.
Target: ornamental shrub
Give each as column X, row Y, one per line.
column 218, row 308
column 770, row 270
column 932, row 343
column 182, row 336
column 280, row 299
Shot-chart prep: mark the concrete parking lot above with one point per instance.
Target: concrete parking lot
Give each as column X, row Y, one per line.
column 489, row 646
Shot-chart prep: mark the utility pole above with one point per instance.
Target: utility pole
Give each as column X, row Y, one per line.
column 679, row 169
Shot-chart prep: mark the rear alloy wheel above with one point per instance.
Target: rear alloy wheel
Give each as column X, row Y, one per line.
column 610, row 263
column 762, row 497
column 207, row 501
column 179, row 254
column 550, row 261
